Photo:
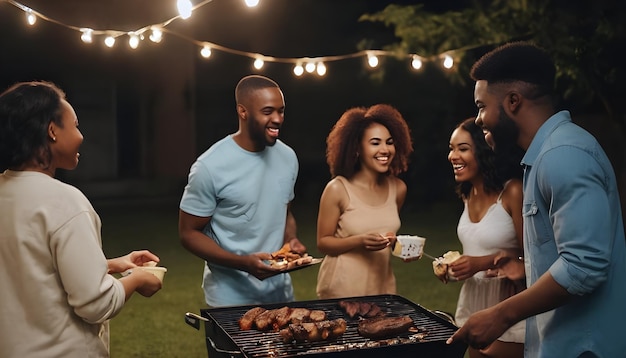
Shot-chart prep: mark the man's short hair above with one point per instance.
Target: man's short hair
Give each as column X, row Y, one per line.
column 252, row 83
column 517, row 61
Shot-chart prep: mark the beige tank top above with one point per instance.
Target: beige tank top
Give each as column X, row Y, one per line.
column 361, row 272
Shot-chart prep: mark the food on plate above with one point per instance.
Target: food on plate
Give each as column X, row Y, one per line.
column 384, row 327
column 314, row 331
column 362, row 309
column 440, row 265
column 272, row 320
column 409, row 246
column 287, row 259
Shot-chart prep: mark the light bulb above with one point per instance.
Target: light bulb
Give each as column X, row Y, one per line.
column 309, row 67
column 133, row 40
column 417, row 62
column 30, row 17
column 258, row 63
column 372, row 60
column 206, row 51
column 109, row 41
column 252, row 3
column 448, row 61
column 184, row 8
column 156, row 35
column 86, row 35
column 321, row 69
column 298, row 70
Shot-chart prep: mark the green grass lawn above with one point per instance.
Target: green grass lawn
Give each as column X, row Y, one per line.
column 155, row 327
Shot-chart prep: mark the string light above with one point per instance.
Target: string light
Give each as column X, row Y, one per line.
column 156, row 34
column 86, row 35
column 258, row 63
column 321, row 69
column 416, row 63
column 206, row 51
column 30, row 17
column 109, row 41
column 298, row 70
column 133, row 40
column 448, row 61
column 185, row 9
column 372, row 60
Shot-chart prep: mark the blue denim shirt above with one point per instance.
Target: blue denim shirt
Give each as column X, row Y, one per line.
column 573, row 229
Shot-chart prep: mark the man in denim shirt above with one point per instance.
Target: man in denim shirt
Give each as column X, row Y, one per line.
column 575, row 251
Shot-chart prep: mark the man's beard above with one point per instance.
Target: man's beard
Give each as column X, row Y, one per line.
column 258, row 135
column 505, row 133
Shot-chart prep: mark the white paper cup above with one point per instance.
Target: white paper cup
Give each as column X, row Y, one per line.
column 409, row 246
column 157, row 271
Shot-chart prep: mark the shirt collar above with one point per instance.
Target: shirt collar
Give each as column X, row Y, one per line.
column 544, row 131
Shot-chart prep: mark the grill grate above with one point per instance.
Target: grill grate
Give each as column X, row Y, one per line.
column 432, row 333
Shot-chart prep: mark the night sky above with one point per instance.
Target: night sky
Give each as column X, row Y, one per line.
column 280, row 28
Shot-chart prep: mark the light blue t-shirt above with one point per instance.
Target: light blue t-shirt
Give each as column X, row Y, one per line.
column 246, row 194
column 573, row 228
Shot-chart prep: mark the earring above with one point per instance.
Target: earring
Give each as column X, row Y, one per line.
column 54, row 139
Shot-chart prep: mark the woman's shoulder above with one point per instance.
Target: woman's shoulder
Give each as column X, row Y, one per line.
column 512, row 193
column 338, row 186
column 337, row 183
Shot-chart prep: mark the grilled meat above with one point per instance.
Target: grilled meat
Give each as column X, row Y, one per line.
column 314, row 331
column 247, row 320
column 363, row 309
column 263, row 322
column 275, row 319
column 316, row 316
column 281, row 318
column 384, row 327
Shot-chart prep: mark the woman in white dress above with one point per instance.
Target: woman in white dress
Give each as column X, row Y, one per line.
column 489, row 184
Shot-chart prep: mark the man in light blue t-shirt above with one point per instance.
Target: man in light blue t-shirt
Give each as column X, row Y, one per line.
column 574, row 246
column 235, row 208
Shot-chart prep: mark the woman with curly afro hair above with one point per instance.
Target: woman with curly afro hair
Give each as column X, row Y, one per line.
column 359, row 208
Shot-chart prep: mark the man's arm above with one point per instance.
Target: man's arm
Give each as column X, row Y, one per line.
column 484, row 327
column 192, row 237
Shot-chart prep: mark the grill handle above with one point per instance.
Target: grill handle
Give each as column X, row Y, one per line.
column 193, row 320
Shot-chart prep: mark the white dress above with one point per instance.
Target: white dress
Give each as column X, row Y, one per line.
column 495, row 231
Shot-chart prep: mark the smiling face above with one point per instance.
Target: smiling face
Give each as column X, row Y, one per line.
column 66, row 139
column 500, row 129
column 376, row 150
column 265, row 114
column 462, row 156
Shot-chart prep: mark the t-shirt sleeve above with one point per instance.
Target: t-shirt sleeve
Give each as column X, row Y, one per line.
column 199, row 197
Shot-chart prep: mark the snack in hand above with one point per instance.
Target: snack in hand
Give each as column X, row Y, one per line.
column 409, row 246
column 440, row 265
column 287, row 259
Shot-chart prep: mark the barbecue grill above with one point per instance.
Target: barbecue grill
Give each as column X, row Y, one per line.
column 224, row 335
